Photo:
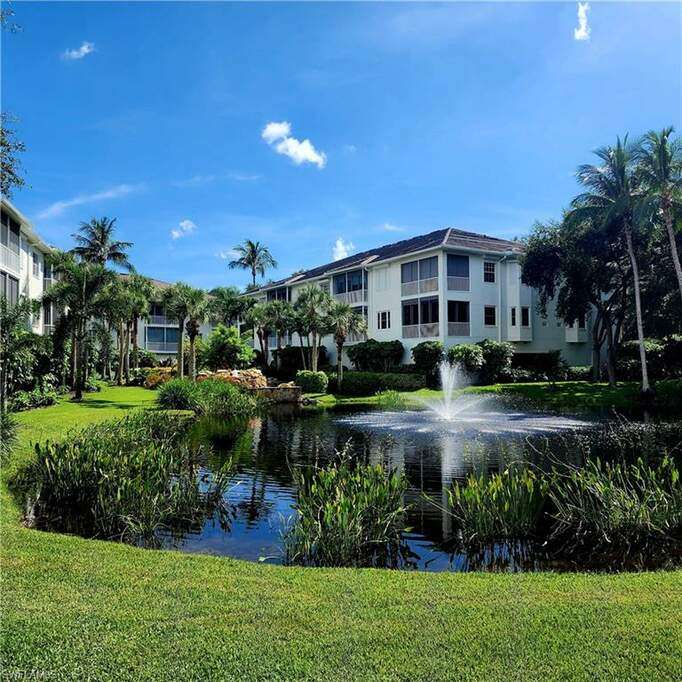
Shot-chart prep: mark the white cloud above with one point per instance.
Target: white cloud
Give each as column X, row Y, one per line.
column 113, row 193
column 78, row 53
column 342, row 249
column 245, row 177
column 227, row 254
column 195, row 181
column 350, row 148
column 278, row 136
column 389, row 227
column 184, row 228
column 583, row 31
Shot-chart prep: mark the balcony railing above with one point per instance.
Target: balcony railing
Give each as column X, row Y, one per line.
column 409, row 288
column 416, row 331
column 459, row 329
column 48, row 329
column 356, row 338
column 458, row 284
column 9, row 259
column 358, row 296
column 162, row 320
column 162, row 347
column 426, row 285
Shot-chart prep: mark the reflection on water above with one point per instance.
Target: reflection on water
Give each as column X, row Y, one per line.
column 430, row 452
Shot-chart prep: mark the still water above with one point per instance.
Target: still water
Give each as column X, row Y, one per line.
column 431, row 453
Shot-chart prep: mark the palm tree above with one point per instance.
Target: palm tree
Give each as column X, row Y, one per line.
column 280, row 318
column 613, row 200
column 177, row 300
column 312, row 305
column 116, row 307
column 660, row 170
column 197, row 309
column 255, row 257
column 257, row 317
column 343, row 320
column 227, row 305
column 79, row 289
column 142, row 293
column 95, row 243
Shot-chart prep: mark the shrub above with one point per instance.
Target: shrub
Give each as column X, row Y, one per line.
column 348, row 516
column 500, row 506
column 618, row 506
column 549, row 365
column 290, row 361
column 672, row 355
column 146, row 359
column 123, row 480
column 580, row 373
column 28, row 400
column 225, row 349
column 497, row 357
column 8, row 435
column 376, row 356
column 391, row 400
column 368, row 383
column 427, row 355
column 217, row 398
column 138, row 377
column 177, row 394
column 468, row 355
column 159, row 375
column 94, row 384
column 628, row 364
column 312, row 382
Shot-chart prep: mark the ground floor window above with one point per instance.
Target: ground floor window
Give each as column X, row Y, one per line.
column 9, row 288
column 489, row 316
column 428, row 310
column 513, row 317
column 384, row 319
column 525, row 316
column 458, row 311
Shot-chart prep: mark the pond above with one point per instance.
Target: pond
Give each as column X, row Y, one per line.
column 430, row 451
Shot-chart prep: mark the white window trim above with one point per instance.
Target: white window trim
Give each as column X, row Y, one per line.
column 494, row 264
column 490, row 326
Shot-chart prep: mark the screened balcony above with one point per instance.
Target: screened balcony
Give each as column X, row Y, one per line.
column 458, row 272
column 458, row 318
column 419, row 276
column 420, row 318
column 350, row 287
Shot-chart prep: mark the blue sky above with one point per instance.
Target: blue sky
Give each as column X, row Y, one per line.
column 417, row 116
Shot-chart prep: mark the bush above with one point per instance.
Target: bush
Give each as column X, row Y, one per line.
column 8, row 435
column 348, row 516
column 138, row 377
column 628, row 365
column 427, row 355
column 125, row 480
column 94, row 384
column 468, row 355
column 497, row 358
column 548, row 365
column 368, row 383
column 580, row 373
column 28, row 400
column 146, row 359
column 177, row 394
column 225, row 349
column 501, row 506
column 312, row 382
column 391, row 400
column 290, row 361
column 217, row 398
column 159, row 375
column 376, row 356
column 672, row 355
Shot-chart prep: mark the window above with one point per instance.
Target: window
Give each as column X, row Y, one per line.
column 525, row 316
column 458, row 266
column 513, row 317
column 428, row 310
column 381, row 279
column 9, row 288
column 428, row 268
column 355, row 280
column 458, row 311
column 280, row 294
column 489, row 272
column 155, row 334
column 36, row 264
column 384, row 319
column 410, row 313
column 489, row 315
column 47, row 314
column 9, row 233
column 581, row 321
column 409, row 272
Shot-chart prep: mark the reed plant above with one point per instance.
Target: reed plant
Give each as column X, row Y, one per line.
column 391, row 400
column 210, row 397
column 505, row 505
column 348, row 514
column 123, row 480
column 8, row 435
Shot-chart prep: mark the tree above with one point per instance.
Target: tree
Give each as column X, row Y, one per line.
column 95, row 243
column 197, row 310
column 312, row 305
column 142, row 293
column 15, row 336
column 257, row 318
column 79, row 289
column 613, row 200
column 177, row 300
column 225, row 349
column 227, row 305
column 280, row 318
column 660, row 172
column 255, row 257
column 10, row 164
column 341, row 321
column 116, row 307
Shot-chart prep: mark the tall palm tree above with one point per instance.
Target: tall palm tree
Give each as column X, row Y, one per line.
column 79, row 289
column 343, row 320
column 257, row 317
column 253, row 256
column 227, row 305
column 142, row 293
column 95, row 243
column 613, row 199
column 312, row 305
column 197, row 310
column 280, row 318
column 660, row 170
column 177, row 300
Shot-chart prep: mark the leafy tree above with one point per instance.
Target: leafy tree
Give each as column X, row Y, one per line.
column 95, row 243
column 341, row 321
column 177, row 300
column 613, row 200
column 660, row 171
column 11, row 176
column 197, row 311
column 227, row 305
column 280, row 318
column 257, row 318
column 142, row 292
column 225, row 349
column 255, row 257
column 312, row 306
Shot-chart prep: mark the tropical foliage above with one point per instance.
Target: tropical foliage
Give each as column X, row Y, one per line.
column 254, row 257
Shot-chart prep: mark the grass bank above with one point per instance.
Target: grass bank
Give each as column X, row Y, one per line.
column 78, row 609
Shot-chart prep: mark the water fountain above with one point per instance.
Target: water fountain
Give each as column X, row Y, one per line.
column 453, row 378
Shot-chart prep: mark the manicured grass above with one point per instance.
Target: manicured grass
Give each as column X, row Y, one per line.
column 79, row 609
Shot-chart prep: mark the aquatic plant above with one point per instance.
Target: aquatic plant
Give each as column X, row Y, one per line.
column 177, row 394
column 624, row 507
column 391, row 400
column 347, row 515
column 211, row 397
column 499, row 506
column 8, row 435
column 122, row 480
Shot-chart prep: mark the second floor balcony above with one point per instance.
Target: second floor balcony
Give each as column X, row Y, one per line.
column 357, row 296
column 9, row 258
column 162, row 346
column 162, row 320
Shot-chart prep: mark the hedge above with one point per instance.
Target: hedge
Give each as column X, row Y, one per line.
column 312, row 382
column 368, row 383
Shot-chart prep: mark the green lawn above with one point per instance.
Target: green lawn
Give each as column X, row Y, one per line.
column 84, row 609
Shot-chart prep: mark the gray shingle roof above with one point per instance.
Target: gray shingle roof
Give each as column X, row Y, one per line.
column 447, row 237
